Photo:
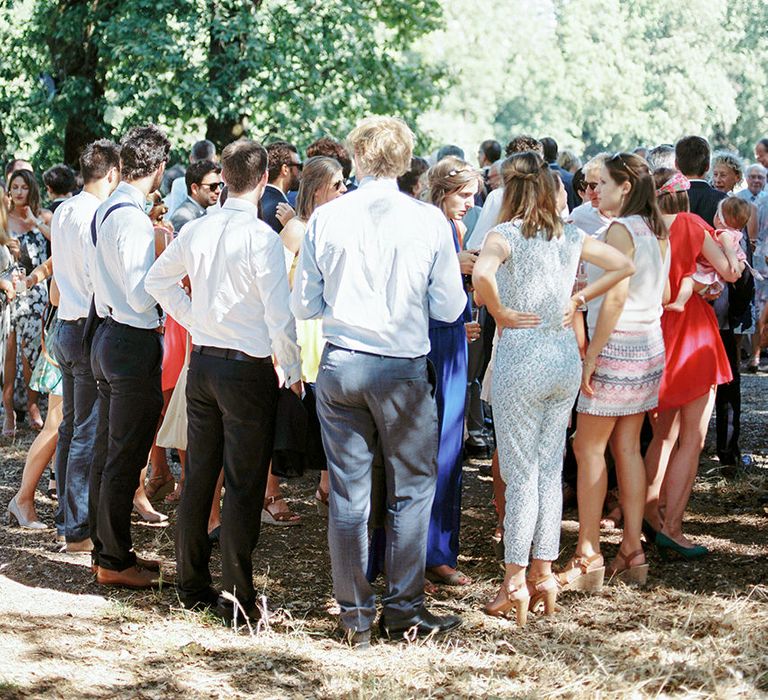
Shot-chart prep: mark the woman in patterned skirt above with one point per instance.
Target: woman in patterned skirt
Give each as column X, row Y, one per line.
column 623, row 366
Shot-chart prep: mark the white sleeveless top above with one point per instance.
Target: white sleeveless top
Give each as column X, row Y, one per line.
column 642, row 309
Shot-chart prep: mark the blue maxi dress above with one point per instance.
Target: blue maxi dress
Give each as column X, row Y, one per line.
column 448, row 354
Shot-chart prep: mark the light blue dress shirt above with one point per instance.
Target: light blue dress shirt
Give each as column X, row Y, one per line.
column 125, row 250
column 376, row 265
column 236, row 268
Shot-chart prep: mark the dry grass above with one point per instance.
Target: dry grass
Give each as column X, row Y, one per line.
column 700, row 629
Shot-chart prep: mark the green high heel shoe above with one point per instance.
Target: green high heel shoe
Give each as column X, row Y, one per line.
column 666, row 544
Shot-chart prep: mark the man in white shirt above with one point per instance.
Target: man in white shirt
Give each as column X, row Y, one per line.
column 238, row 316
column 70, row 243
column 126, row 357
column 376, row 265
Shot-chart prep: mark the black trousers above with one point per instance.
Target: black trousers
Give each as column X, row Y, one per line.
column 231, row 408
column 126, row 364
column 728, row 406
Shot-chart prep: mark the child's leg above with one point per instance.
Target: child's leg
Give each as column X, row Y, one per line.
column 683, row 295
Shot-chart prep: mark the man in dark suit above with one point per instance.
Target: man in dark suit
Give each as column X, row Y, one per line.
column 550, row 155
column 692, row 159
column 284, row 175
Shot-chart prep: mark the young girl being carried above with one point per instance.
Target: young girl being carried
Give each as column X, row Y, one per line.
column 732, row 216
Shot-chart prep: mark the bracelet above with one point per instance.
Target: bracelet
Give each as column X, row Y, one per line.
column 582, row 305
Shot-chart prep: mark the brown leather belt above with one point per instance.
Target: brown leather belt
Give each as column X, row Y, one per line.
column 227, row 354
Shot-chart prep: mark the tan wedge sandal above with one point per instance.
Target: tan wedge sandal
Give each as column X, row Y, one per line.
column 620, row 568
column 585, row 574
column 543, row 590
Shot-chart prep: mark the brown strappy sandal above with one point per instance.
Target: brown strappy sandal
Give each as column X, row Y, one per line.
column 621, row 569
column 584, row 574
column 276, row 517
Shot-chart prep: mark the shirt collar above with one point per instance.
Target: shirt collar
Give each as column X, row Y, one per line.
column 239, row 205
column 389, row 183
column 133, row 192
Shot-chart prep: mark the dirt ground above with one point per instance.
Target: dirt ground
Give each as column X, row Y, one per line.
column 699, row 629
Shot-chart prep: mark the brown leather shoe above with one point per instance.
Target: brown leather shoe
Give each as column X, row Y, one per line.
column 149, row 564
column 132, row 577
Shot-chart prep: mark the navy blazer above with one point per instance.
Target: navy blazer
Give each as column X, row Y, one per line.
column 269, row 201
column 704, row 200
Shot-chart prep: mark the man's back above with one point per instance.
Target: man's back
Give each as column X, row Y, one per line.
column 377, row 264
column 704, row 199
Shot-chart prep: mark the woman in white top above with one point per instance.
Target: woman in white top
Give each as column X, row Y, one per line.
column 623, row 367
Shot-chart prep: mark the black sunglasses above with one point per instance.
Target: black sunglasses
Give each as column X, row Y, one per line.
column 590, row 185
column 337, row 185
column 298, row 165
column 212, row 186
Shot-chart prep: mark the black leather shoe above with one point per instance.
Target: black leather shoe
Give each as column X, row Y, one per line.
column 356, row 640
column 225, row 610
column 207, row 599
column 424, row 622
column 478, row 451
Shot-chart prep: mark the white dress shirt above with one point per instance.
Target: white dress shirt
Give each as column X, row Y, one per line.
column 236, row 269
column 125, row 250
column 588, row 219
column 376, row 265
column 489, row 217
column 70, row 244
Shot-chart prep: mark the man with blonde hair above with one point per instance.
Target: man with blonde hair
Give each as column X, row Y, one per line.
column 376, row 265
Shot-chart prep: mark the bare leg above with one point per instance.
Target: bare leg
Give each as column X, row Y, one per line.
column 278, row 505
column 9, row 376
column 666, row 427
column 589, row 445
column 142, row 505
column 681, row 473
column 630, row 471
column 499, row 496
column 40, row 453
column 683, row 295
column 33, row 397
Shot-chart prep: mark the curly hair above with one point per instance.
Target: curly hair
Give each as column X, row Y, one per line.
column 326, row 146
column 142, row 151
column 278, row 155
column 523, row 143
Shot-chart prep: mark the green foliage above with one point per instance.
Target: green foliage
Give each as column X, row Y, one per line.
column 221, row 68
column 603, row 75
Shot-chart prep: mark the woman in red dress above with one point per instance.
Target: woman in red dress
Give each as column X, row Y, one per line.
column 696, row 363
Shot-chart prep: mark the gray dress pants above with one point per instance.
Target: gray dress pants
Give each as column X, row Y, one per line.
column 364, row 400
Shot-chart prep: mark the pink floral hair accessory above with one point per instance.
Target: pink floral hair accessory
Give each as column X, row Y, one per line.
column 677, row 183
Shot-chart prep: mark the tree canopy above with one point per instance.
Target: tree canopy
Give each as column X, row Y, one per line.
column 600, row 75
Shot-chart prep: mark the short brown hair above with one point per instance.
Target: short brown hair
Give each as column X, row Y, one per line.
column 382, row 145
column 530, row 194
column 735, row 212
column 243, row 164
column 692, row 156
column 326, row 146
column 669, row 202
column 278, row 155
column 98, row 158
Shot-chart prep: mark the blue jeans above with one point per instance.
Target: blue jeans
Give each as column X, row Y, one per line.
column 77, row 432
column 363, row 401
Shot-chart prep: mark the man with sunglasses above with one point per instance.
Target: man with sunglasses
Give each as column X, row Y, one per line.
column 284, row 173
column 203, row 180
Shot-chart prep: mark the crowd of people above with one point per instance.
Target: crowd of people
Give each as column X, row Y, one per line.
column 577, row 324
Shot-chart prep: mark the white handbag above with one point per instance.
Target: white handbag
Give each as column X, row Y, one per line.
column 173, row 431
